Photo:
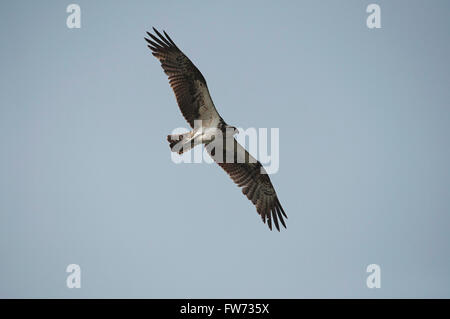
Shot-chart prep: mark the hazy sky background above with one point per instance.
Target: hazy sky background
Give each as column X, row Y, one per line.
column 86, row 175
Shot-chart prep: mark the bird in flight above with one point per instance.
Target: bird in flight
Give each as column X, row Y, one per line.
column 209, row 128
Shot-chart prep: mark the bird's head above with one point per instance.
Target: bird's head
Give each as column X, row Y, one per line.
column 231, row 130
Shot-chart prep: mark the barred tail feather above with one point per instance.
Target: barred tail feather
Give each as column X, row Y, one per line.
column 177, row 141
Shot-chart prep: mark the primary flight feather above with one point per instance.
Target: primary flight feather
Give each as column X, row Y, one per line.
column 196, row 105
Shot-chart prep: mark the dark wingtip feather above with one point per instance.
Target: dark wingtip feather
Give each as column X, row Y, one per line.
column 151, row 48
column 165, row 40
column 263, row 217
column 281, row 208
column 275, row 219
column 161, row 41
column 269, row 221
column 153, row 44
column 149, row 34
column 280, row 216
column 168, row 38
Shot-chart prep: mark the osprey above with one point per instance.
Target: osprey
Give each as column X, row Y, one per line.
column 209, row 128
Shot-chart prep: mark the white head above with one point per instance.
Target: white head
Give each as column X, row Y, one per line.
column 231, row 130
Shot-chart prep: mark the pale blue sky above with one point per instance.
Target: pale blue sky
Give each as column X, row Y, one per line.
column 86, row 175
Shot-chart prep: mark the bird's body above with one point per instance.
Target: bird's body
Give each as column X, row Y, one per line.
column 210, row 129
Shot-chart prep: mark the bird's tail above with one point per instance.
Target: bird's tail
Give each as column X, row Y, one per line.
column 177, row 142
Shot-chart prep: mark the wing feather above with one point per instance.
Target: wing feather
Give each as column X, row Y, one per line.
column 188, row 84
column 255, row 183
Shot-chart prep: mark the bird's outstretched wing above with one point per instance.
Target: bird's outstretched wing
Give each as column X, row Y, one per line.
column 187, row 82
column 249, row 174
